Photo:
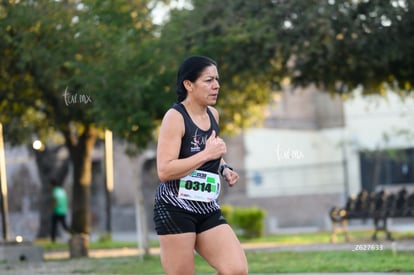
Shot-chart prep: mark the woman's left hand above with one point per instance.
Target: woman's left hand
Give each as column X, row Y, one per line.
column 230, row 176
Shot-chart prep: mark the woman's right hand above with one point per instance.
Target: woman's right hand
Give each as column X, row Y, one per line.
column 215, row 146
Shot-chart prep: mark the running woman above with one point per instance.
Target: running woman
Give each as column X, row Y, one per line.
column 191, row 169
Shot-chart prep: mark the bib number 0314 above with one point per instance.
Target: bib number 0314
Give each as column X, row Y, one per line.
column 196, row 186
column 200, row 186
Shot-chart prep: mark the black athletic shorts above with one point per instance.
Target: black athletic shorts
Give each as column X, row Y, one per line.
column 170, row 219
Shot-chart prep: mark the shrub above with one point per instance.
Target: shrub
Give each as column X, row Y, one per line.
column 227, row 211
column 246, row 221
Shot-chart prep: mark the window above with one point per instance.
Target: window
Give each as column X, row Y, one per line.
column 388, row 167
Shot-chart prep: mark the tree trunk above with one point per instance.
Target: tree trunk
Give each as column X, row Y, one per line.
column 81, row 156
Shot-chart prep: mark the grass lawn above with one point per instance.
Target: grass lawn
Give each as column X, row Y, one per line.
column 259, row 262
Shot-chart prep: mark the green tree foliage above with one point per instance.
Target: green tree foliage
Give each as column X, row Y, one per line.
column 89, row 62
column 215, row 29
column 125, row 85
column 337, row 44
column 343, row 44
column 39, row 48
column 77, row 67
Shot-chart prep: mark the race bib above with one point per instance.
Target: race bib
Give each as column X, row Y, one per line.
column 200, row 186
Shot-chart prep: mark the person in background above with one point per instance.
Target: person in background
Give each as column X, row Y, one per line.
column 190, row 161
column 60, row 208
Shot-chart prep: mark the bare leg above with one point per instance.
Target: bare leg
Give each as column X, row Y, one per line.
column 220, row 247
column 177, row 253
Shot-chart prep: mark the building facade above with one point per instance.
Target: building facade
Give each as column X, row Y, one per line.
column 316, row 150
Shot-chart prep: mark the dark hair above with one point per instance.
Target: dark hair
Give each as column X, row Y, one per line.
column 191, row 69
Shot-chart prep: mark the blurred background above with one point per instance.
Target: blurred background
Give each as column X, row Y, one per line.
column 316, row 104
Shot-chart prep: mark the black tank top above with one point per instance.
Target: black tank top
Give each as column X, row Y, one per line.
column 193, row 141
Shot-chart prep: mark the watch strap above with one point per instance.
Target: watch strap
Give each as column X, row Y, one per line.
column 224, row 166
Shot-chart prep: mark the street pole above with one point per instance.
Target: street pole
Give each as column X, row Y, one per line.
column 3, row 183
column 109, row 176
column 345, row 168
